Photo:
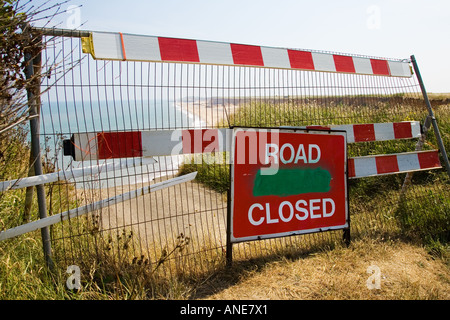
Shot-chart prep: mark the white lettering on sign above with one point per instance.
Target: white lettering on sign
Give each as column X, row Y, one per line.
column 301, row 210
column 287, row 153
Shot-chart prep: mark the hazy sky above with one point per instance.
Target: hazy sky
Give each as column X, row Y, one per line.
column 392, row 29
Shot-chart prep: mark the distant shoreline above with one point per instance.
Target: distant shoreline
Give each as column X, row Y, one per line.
column 208, row 112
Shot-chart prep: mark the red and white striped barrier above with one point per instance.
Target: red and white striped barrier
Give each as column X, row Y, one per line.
column 119, row 46
column 377, row 131
column 108, row 145
column 393, row 163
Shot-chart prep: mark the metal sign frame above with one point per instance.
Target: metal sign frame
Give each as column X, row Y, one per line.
column 232, row 201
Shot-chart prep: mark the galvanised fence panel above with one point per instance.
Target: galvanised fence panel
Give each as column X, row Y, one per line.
column 120, row 95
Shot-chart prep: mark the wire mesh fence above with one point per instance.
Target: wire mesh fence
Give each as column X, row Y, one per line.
column 182, row 229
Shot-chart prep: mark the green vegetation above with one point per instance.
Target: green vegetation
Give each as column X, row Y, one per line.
column 425, row 214
column 22, row 268
column 213, row 170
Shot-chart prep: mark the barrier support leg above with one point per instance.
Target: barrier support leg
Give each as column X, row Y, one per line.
column 431, row 115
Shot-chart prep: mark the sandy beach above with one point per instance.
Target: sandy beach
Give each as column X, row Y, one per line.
column 210, row 112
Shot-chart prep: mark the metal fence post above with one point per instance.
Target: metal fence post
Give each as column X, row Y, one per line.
column 431, row 115
column 229, row 245
column 33, row 66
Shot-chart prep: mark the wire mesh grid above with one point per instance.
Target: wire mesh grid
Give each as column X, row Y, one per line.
column 182, row 229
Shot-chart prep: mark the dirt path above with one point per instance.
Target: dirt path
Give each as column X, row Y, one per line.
column 158, row 218
column 189, row 209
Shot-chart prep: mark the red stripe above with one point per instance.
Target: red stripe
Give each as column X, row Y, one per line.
column 178, row 50
column 364, row 132
column 386, row 164
column 247, row 55
column 119, row 144
column 429, row 160
column 123, row 46
column 301, row 60
column 344, row 63
column 402, row 130
column 380, row 67
column 351, row 168
column 200, row 141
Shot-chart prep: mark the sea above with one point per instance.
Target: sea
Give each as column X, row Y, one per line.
column 59, row 120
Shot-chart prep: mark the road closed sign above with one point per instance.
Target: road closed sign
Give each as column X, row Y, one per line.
column 287, row 182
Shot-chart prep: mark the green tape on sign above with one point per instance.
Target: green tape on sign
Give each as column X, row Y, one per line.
column 288, row 182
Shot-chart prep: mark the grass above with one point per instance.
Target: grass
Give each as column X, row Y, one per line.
column 426, row 215
column 406, row 236
column 406, row 272
column 22, row 269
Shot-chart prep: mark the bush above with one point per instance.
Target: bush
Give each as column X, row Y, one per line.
column 212, row 170
column 425, row 214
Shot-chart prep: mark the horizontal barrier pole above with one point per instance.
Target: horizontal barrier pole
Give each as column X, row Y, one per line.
column 129, row 47
column 77, row 212
column 73, row 173
column 58, row 32
column 109, row 145
column 361, row 167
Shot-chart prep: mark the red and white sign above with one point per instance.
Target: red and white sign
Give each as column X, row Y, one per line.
column 287, row 182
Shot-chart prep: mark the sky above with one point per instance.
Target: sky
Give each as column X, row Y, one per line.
column 391, row 29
